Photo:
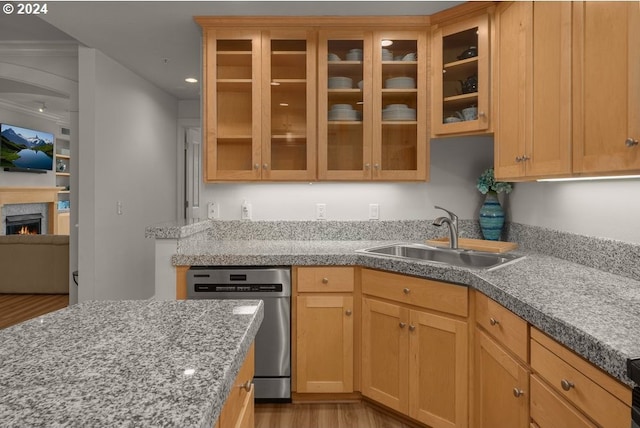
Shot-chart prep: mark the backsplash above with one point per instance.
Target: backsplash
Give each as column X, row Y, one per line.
column 608, row 255
column 397, row 230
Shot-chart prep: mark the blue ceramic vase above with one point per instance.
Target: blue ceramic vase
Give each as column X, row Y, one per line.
column 491, row 217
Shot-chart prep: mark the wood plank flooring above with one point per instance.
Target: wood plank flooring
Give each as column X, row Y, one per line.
column 16, row 308
column 323, row 415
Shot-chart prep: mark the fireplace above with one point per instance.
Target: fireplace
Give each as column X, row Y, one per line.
column 24, row 224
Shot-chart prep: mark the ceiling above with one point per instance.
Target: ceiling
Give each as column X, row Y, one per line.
column 159, row 39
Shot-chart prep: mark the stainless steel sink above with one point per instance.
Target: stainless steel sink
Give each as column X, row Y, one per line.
column 458, row 257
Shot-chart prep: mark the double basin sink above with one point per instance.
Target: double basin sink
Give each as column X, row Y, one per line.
column 452, row 257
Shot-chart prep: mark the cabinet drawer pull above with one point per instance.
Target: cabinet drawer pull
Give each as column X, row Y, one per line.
column 493, row 321
column 518, row 392
column 630, row 142
column 403, row 324
column 406, row 290
column 325, row 280
column 412, row 327
column 567, row 384
column 246, row 386
column 348, row 312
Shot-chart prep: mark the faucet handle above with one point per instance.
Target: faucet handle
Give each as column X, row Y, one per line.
column 452, row 216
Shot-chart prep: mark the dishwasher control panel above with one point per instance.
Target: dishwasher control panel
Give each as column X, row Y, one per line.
column 238, row 282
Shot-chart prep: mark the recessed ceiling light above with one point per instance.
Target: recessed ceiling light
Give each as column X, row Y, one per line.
column 191, row 80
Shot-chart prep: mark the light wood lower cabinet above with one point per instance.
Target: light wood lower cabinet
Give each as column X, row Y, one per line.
column 589, row 391
column 324, row 330
column 238, row 410
column 325, row 344
column 501, row 386
column 414, row 361
column 549, row 410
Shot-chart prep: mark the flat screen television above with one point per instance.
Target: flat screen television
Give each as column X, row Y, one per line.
column 25, row 149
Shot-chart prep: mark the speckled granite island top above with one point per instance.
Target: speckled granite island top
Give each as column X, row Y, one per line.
column 594, row 313
column 124, row 364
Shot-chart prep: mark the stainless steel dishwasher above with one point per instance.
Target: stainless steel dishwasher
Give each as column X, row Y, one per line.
column 272, row 285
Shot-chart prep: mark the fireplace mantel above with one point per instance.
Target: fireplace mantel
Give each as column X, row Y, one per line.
column 33, row 195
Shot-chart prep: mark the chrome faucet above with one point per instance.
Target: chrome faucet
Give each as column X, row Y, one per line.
column 452, row 222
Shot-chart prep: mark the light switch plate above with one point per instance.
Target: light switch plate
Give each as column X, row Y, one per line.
column 374, row 212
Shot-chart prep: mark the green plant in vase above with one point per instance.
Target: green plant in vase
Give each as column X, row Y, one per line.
column 491, row 213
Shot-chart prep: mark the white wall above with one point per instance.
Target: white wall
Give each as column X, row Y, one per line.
column 455, row 165
column 606, row 209
column 128, row 157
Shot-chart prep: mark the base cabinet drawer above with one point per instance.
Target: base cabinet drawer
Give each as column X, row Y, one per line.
column 549, row 410
column 593, row 392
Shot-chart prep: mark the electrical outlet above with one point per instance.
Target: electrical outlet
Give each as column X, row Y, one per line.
column 374, row 212
column 213, row 210
column 245, row 211
column 321, row 211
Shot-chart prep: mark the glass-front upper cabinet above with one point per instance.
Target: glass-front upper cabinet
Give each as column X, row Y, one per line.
column 372, row 104
column 231, row 89
column 344, row 105
column 461, row 88
column 288, row 100
column 400, row 149
column 258, row 87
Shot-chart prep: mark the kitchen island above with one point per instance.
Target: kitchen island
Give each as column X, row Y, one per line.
column 125, row 363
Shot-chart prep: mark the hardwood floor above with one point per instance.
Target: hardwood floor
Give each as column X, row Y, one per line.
column 16, row 308
column 321, row 415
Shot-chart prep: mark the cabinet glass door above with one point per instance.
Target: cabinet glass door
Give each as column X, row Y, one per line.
column 288, row 150
column 233, row 125
column 344, row 116
column 461, row 94
column 399, row 106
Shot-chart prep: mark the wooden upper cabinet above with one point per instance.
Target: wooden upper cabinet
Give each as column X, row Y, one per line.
column 344, row 105
column 231, row 125
column 259, row 109
column 606, row 87
column 532, row 90
column 372, row 100
column 460, row 77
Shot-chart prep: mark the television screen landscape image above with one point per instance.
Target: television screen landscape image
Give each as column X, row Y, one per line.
column 25, row 149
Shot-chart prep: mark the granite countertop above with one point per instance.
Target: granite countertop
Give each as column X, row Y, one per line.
column 592, row 312
column 125, row 363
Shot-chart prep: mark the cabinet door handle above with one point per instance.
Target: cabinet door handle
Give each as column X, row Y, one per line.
column 517, row 392
column 265, row 166
column 403, row 324
column 376, row 166
column 246, row 386
column 493, row 321
column 367, row 166
column 348, row 312
column 630, row 142
column 256, row 166
column 567, row 384
column 412, row 327
column 406, row 290
column 325, row 280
